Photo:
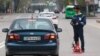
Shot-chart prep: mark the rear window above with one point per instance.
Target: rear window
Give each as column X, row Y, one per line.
column 70, row 9
column 32, row 24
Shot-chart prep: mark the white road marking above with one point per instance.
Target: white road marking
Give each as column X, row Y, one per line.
column 2, row 44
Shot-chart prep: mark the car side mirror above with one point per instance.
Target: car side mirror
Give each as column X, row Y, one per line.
column 59, row 30
column 5, row 30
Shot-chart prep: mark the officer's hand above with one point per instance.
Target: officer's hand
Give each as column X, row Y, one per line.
column 71, row 23
column 77, row 23
column 82, row 23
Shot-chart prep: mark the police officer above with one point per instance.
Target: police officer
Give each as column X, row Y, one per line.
column 78, row 22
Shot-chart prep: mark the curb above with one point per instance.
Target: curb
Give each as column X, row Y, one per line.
column 93, row 18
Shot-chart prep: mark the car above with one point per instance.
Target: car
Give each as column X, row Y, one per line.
column 32, row 37
column 69, row 12
column 49, row 15
column 56, row 10
column 36, row 11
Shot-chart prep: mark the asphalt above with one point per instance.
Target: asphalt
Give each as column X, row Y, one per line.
column 97, row 17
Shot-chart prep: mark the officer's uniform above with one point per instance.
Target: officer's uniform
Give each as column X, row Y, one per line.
column 78, row 23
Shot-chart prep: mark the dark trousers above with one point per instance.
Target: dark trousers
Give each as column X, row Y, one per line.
column 78, row 34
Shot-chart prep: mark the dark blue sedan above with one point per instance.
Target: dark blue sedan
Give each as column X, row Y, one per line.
column 32, row 36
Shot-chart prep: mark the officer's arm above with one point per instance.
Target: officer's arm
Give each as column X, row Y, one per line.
column 83, row 22
column 72, row 21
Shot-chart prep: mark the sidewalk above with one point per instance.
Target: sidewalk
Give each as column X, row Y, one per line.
column 4, row 15
column 97, row 16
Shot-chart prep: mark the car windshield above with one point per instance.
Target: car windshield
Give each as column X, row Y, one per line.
column 32, row 24
column 46, row 14
column 69, row 9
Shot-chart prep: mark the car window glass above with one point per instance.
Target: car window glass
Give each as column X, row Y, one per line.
column 69, row 9
column 42, row 25
column 32, row 25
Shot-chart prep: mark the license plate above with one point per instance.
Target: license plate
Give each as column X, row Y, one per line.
column 32, row 38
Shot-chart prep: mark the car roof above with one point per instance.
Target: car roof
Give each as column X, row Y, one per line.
column 70, row 6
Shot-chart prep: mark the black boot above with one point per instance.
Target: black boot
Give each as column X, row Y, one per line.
column 83, row 50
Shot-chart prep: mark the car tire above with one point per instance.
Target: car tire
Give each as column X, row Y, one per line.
column 55, row 55
column 9, row 55
column 40, row 55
